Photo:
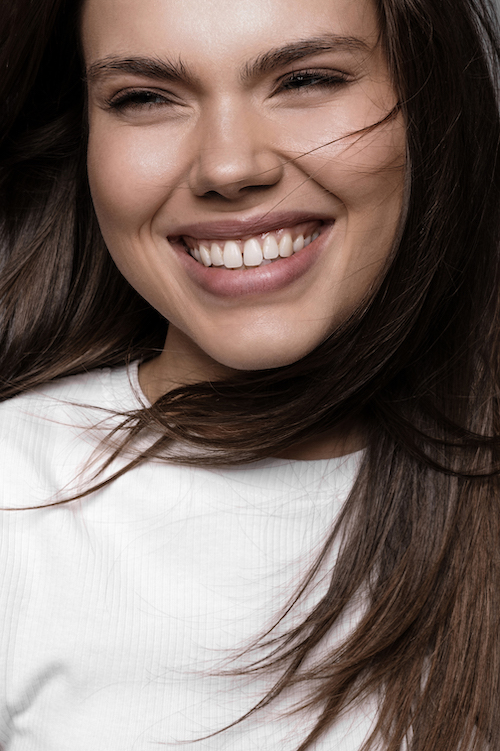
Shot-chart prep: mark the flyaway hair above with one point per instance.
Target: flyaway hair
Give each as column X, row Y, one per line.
column 419, row 361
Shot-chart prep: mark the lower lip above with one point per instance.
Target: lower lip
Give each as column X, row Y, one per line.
column 272, row 277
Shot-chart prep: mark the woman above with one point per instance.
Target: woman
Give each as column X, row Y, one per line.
column 287, row 525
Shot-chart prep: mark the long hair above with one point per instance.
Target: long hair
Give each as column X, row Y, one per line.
column 419, row 361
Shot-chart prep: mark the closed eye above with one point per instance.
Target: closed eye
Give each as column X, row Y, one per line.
column 308, row 79
column 139, row 99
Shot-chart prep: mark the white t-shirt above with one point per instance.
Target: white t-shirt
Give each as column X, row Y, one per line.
column 119, row 610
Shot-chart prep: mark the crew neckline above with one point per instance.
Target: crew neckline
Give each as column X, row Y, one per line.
column 141, row 402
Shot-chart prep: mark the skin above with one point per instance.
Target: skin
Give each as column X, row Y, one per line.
column 217, row 146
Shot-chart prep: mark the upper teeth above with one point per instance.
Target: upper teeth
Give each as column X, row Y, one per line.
column 256, row 251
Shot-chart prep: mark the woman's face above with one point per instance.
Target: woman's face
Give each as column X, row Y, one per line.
column 232, row 179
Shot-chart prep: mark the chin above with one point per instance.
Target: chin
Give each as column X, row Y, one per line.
column 259, row 357
column 262, row 347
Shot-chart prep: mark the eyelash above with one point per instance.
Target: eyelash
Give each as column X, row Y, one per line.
column 132, row 99
column 294, row 82
column 312, row 79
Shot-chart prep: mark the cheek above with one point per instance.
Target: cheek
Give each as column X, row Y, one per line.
column 131, row 174
column 365, row 172
column 349, row 149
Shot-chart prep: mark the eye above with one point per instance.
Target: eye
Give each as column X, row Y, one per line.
column 139, row 99
column 307, row 79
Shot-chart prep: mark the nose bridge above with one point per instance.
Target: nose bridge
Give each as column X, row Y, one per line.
column 234, row 150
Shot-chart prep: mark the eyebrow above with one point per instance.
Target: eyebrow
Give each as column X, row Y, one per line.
column 177, row 71
column 296, row 51
column 140, row 66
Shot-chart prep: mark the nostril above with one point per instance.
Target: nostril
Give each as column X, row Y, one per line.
column 232, row 175
column 231, row 192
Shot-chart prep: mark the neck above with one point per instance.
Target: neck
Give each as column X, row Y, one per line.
column 182, row 363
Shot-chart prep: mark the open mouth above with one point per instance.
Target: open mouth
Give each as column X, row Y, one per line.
column 251, row 252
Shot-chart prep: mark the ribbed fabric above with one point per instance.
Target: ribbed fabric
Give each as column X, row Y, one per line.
column 120, row 609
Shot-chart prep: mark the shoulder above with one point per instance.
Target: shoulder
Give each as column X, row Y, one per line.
column 48, row 433
column 106, row 387
column 65, row 403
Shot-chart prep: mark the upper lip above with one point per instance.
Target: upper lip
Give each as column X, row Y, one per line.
column 231, row 229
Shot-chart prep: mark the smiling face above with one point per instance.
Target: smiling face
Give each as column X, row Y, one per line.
column 230, row 178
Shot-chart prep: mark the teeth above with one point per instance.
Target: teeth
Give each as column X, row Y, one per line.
column 270, row 248
column 252, row 253
column 286, row 246
column 232, row 255
column 216, row 253
column 298, row 244
column 206, row 258
column 255, row 252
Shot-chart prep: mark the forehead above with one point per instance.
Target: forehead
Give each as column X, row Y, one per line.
column 207, row 31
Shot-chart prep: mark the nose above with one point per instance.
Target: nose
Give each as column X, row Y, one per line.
column 234, row 154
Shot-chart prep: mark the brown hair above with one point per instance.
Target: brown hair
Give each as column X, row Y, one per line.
column 420, row 362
